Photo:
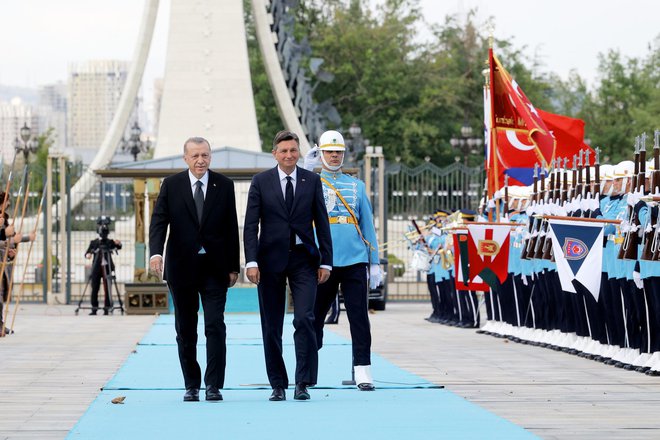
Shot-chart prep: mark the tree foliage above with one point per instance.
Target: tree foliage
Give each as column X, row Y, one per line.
column 413, row 96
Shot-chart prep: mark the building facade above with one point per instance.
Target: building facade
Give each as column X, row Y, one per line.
column 94, row 89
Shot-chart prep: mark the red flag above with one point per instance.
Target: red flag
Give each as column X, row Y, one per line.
column 521, row 137
column 569, row 133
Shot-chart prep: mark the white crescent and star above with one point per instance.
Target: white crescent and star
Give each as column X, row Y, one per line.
column 516, row 143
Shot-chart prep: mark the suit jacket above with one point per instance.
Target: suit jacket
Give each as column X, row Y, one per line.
column 268, row 224
column 217, row 232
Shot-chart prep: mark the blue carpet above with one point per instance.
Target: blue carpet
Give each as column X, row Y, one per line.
column 404, row 405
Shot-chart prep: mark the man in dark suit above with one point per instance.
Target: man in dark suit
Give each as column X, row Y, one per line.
column 284, row 205
column 199, row 206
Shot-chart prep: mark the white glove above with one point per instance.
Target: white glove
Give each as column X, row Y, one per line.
column 375, row 276
column 312, row 158
column 637, row 278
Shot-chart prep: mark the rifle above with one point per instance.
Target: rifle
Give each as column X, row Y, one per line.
column 655, row 184
column 589, row 195
column 557, row 194
column 579, row 188
column 597, row 171
column 628, row 250
column 505, row 208
column 532, row 220
column 546, row 250
column 531, row 251
column 543, row 233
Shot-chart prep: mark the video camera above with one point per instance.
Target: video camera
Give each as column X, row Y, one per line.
column 103, row 226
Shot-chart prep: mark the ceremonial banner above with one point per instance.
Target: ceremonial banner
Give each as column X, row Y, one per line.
column 578, row 251
column 520, row 136
column 488, row 252
column 569, row 133
column 462, row 267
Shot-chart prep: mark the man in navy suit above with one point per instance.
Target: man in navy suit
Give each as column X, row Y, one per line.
column 203, row 260
column 284, row 205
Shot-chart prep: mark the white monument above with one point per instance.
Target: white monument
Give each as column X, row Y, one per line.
column 207, row 90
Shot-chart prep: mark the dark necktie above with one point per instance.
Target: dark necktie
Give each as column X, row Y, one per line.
column 288, row 199
column 199, row 200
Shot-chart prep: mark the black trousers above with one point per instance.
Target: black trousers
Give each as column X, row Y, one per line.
column 211, row 285
column 301, row 274
column 95, row 279
column 433, row 293
column 353, row 282
column 653, row 297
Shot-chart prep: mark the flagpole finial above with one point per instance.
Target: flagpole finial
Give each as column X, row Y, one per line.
column 491, row 32
column 597, row 158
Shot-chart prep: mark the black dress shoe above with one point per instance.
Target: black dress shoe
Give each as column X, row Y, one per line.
column 277, row 395
column 192, row 395
column 301, row 392
column 213, row 393
column 366, row 387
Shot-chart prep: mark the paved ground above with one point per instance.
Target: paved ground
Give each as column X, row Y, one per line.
column 55, row 364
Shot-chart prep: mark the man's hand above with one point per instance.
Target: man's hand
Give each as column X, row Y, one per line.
column 156, row 266
column 11, row 253
column 32, row 235
column 233, row 277
column 9, row 230
column 253, row 275
column 17, row 238
column 324, row 274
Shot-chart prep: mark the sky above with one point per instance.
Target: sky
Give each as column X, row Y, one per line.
column 40, row 38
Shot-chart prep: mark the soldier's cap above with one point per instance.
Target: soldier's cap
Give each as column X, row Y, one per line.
column 606, row 172
column 468, row 214
column 624, row 169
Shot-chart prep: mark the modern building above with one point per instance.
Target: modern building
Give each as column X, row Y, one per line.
column 53, row 103
column 94, row 89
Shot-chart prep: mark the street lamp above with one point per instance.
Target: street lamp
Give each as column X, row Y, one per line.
column 28, row 144
column 466, row 143
column 135, row 145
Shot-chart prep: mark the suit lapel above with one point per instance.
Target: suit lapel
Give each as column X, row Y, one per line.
column 277, row 187
column 209, row 200
column 187, row 195
column 301, row 187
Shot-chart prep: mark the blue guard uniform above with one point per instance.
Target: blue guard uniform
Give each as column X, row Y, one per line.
column 355, row 256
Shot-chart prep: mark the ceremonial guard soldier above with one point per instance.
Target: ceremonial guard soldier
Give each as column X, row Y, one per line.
column 355, row 266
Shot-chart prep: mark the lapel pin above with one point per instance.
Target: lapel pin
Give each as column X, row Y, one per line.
column 302, row 180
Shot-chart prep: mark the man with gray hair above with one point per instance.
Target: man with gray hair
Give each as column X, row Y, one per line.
column 199, row 207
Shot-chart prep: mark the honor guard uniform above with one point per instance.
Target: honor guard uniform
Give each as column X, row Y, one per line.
column 355, row 266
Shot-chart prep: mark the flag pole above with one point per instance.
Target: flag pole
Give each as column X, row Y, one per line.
column 493, row 136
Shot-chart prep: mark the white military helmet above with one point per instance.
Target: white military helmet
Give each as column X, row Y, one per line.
column 606, row 172
column 624, row 169
column 332, row 140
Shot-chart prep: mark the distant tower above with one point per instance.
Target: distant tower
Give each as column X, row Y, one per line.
column 207, row 90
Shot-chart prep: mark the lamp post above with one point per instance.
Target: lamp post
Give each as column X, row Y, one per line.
column 355, row 143
column 27, row 144
column 467, row 144
column 135, row 145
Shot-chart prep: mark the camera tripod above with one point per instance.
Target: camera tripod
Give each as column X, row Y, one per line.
column 108, row 280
